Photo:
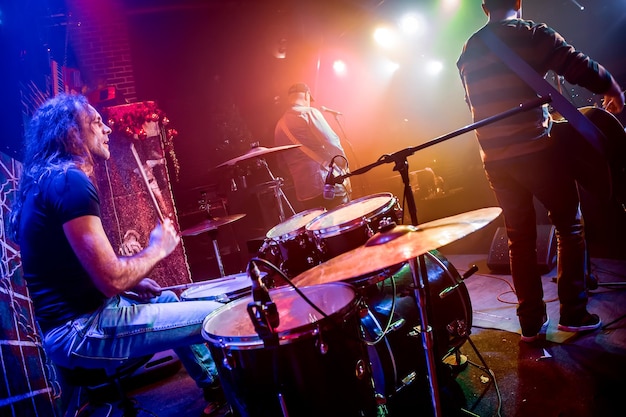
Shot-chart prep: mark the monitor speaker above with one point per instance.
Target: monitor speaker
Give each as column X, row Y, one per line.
column 498, row 257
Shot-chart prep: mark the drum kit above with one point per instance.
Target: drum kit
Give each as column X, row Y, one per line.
column 367, row 308
column 348, row 337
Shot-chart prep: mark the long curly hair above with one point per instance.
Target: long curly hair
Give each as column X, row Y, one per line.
column 54, row 142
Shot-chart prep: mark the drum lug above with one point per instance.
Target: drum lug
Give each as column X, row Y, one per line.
column 408, row 380
column 417, row 331
column 229, row 361
column 360, row 369
column 320, row 344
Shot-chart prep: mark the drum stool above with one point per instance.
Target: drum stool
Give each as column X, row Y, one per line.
column 96, row 382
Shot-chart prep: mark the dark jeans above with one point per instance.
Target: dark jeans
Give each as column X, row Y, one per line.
column 544, row 176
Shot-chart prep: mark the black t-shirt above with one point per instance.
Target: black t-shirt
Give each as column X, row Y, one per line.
column 59, row 286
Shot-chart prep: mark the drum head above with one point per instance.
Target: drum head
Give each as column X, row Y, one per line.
column 219, row 291
column 233, row 326
column 294, row 224
column 351, row 214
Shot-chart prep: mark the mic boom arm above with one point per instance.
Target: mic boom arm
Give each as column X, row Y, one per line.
column 404, row 153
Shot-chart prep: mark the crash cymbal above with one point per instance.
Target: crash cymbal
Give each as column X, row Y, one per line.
column 397, row 245
column 211, row 224
column 255, row 153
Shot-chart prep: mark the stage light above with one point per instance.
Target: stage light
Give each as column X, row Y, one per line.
column 340, row 68
column 412, row 24
column 385, row 37
column 434, row 67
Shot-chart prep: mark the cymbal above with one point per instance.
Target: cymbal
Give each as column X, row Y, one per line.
column 401, row 243
column 255, row 153
column 211, row 224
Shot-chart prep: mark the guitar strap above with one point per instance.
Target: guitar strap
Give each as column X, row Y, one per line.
column 347, row 186
column 582, row 124
column 305, row 149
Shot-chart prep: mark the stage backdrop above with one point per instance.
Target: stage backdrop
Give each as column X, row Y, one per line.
column 129, row 209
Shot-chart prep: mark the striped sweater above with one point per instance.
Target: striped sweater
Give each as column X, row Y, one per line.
column 491, row 87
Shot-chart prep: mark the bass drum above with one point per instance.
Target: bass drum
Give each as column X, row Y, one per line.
column 397, row 355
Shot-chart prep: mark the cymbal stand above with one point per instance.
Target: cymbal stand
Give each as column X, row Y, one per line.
column 420, row 283
column 418, row 265
column 279, row 195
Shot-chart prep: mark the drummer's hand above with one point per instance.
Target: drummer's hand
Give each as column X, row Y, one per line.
column 165, row 236
column 145, row 290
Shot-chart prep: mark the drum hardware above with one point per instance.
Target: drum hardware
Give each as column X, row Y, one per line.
column 262, row 310
column 259, row 152
column 467, row 274
column 211, row 225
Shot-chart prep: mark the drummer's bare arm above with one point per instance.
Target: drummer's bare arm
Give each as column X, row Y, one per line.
column 110, row 273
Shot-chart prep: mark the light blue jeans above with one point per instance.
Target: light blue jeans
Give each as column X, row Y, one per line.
column 124, row 329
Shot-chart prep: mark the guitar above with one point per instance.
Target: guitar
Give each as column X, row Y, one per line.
column 602, row 174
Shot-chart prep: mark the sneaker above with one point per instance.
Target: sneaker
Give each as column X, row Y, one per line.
column 588, row 322
column 529, row 338
column 215, row 398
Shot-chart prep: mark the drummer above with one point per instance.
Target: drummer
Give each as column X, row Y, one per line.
column 96, row 309
column 305, row 125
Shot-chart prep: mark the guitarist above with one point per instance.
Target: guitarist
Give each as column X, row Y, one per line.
column 521, row 162
column 302, row 124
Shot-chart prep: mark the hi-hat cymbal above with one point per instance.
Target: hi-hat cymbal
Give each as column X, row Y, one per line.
column 211, row 224
column 401, row 243
column 255, row 153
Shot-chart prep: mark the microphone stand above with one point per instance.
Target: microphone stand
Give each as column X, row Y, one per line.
column 345, row 138
column 418, row 265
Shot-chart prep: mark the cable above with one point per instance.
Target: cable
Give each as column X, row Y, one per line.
column 282, row 274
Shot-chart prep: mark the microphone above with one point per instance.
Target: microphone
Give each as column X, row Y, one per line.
column 329, row 183
column 261, row 297
column 331, row 111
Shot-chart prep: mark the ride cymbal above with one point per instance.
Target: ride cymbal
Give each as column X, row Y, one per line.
column 397, row 245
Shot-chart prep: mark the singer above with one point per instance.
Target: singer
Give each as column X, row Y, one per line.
column 310, row 165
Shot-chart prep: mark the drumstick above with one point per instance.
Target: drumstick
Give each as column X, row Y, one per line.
column 142, row 172
column 194, row 284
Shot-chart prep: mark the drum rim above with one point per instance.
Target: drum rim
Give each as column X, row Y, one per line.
column 254, row 341
column 243, row 275
column 295, row 232
column 354, row 223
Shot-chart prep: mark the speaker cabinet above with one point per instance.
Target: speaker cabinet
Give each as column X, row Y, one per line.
column 498, row 257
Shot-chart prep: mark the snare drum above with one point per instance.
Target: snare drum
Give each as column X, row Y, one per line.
column 350, row 225
column 225, row 290
column 289, row 247
column 318, row 367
